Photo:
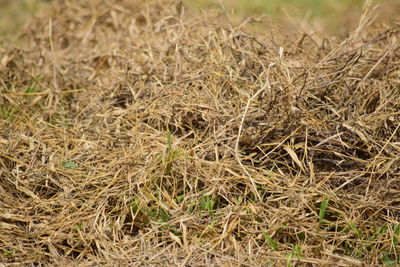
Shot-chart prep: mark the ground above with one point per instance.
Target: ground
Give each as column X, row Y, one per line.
column 154, row 133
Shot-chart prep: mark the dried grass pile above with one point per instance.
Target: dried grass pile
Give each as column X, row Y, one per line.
column 147, row 134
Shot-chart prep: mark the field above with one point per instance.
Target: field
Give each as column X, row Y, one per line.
column 330, row 17
column 162, row 133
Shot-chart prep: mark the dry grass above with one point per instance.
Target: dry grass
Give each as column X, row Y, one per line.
column 15, row 13
column 147, row 134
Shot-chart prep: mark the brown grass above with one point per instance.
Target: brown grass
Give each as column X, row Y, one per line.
column 147, row 134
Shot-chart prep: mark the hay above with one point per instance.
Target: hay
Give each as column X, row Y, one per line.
column 147, row 134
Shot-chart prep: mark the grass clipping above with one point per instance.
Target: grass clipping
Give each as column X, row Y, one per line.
column 147, row 134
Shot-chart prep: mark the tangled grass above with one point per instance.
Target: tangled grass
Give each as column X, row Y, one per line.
column 146, row 134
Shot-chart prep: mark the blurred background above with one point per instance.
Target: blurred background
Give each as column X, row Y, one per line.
column 326, row 16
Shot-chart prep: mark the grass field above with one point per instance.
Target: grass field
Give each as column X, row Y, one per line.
column 150, row 133
column 329, row 16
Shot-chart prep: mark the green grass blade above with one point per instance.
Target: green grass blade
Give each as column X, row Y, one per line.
column 322, row 210
column 273, row 244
